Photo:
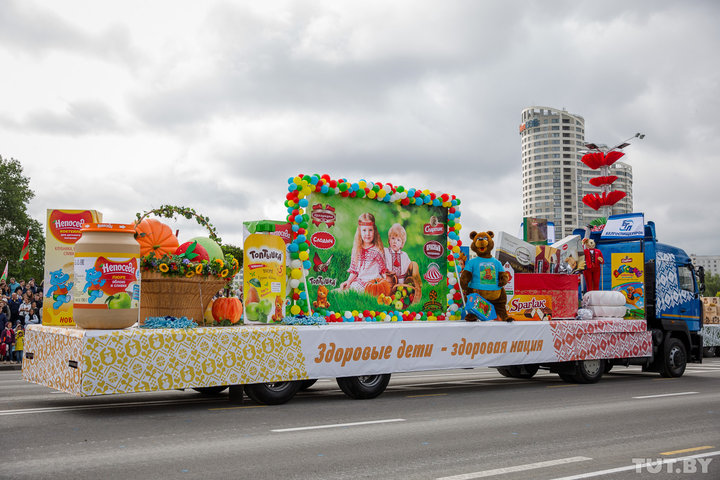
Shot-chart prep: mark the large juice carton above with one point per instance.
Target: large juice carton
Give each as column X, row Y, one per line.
column 264, row 278
column 61, row 233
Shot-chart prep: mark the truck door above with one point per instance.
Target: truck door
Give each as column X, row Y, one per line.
column 677, row 295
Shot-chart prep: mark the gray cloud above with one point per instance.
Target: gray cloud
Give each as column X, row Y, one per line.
column 416, row 93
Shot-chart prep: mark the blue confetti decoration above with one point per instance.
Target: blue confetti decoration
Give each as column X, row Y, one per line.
column 304, row 320
column 169, row 322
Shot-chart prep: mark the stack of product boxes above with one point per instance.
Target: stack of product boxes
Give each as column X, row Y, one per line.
column 711, row 310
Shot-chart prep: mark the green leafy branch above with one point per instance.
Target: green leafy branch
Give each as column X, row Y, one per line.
column 172, row 211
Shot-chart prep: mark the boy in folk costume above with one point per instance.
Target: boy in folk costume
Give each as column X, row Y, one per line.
column 367, row 260
column 396, row 260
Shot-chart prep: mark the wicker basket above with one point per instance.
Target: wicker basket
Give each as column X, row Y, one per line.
column 177, row 296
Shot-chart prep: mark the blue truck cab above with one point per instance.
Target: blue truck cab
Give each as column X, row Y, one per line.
column 672, row 304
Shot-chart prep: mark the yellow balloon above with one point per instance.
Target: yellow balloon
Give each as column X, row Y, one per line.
column 304, row 255
column 296, row 273
column 295, row 309
column 371, row 194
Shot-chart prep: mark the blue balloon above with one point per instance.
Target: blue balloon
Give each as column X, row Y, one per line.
column 301, row 239
column 307, row 264
column 324, row 188
column 418, row 201
column 293, row 247
column 411, row 192
column 451, row 216
column 292, row 187
column 290, row 209
column 304, row 202
column 295, row 227
column 436, row 202
column 355, row 187
column 303, row 296
column 314, row 179
column 291, row 180
column 298, row 218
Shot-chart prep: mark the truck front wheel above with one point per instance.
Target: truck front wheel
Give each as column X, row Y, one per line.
column 272, row 393
column 363, row 387
column 674, row 358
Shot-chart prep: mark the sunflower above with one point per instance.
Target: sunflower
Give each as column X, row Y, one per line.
column 224, row 273
column 220, row 263
column 163, row 267
column 198, row 269
column 190, row 273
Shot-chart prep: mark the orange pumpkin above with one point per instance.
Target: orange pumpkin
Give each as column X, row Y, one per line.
column 156, row 237
column 377, row 286
column 226, row 308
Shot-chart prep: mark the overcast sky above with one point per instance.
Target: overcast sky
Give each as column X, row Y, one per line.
column 125, row 106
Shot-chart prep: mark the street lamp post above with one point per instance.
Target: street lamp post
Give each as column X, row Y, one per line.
column 601, row 157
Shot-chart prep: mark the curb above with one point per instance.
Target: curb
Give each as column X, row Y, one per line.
column 10, row 366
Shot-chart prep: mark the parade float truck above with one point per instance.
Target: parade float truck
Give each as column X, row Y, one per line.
column 660, row 284
column 323, row 324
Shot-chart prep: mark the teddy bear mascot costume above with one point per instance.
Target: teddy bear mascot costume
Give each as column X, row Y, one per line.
column 593, row 264
column 485, row 276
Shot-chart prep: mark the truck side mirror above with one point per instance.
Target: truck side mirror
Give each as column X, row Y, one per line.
column 701, row 279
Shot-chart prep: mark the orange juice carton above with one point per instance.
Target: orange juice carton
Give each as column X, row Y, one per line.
column 63, row 229
column 264, row 277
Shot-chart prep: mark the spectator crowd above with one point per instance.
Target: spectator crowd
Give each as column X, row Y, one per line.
column 20, row 305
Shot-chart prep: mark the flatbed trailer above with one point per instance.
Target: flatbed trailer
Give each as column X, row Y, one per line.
column 272, row 362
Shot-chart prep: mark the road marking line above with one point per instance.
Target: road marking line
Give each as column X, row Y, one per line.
column 337, row 425
column 516, row 468
column 25, row 411
column 427, row 395
column 638, row 466
column 235, row 408
column 666, row 395
column 686, row 450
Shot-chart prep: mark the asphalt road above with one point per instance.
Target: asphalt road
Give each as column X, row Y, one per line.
column 459, row 424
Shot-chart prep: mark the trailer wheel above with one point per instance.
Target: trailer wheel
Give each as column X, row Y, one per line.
column 519, row 371
column 589, row 371
column 674, row 359
column 363, row 387
column 272, row 393
column 305, row 384
column 215, row 390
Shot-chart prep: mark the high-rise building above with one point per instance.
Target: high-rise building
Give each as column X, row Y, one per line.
column 554, row 178
column 711, row 263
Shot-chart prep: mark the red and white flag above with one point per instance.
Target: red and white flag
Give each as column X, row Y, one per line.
column 25, row 252
column 5, row 272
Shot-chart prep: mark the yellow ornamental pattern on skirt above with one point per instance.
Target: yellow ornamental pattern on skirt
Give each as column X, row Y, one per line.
column 136, row 360
column 53, row 348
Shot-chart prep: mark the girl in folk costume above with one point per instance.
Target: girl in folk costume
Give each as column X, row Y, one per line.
column 367, row 261
column 396, row 260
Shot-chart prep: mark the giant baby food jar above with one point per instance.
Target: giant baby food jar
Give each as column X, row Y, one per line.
column 106, row 294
